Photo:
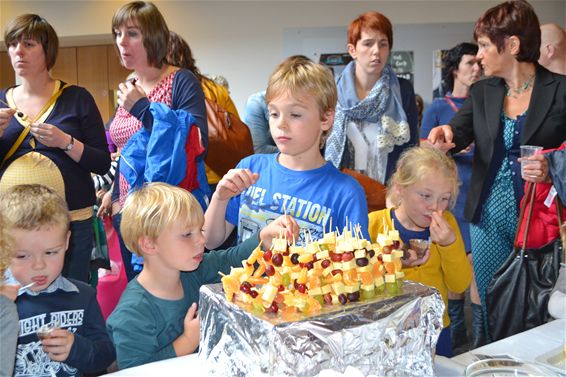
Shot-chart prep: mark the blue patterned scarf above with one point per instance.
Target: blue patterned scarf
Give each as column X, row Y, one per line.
column 382, row 105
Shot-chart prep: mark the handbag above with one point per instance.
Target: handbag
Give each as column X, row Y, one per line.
column 517, row 296
column 375, row 191
column 229, row 139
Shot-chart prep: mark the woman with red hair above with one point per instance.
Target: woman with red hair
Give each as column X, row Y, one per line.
column 376, row 116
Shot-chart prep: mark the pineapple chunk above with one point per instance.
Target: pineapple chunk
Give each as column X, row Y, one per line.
column 384, row 240
column 338, row 288
column 296, row 250
column 348, row 265
column 337, row 265
column 325, row 289
column 269, row 293
column 394, row 235
column 367, row 287
column 279, row 245
column 323, row 254
column 379, row 281
column 397, row 253
column 390, row 278
column 387, row 258
column 305, row 258
column 399, row 275
column 315, row 291
column 313, row 248
column 360, row 253
column 351, row 288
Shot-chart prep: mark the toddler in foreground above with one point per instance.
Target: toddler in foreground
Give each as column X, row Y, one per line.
column 38, row 220
column 156, row 316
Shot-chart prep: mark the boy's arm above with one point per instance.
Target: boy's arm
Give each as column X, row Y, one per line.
column 233, row 183
column 92, row 351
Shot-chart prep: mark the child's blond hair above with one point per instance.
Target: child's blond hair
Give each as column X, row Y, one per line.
column 6, row 247
column 154, row 207
column 418, row 162
column 299, row 75
column 32, row 206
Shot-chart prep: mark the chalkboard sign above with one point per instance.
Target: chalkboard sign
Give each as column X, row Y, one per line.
column 402, row 63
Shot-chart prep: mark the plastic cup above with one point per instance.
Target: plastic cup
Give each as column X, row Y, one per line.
column 419, row 246
column 46, row 330
column 527, row 151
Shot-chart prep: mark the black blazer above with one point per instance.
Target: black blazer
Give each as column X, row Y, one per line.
column 479, row 121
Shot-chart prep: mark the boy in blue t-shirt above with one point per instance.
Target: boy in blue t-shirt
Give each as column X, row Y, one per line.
column 155, row 318
column 78, row 343
column 301, row 98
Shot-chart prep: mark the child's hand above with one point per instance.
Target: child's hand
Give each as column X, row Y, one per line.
column 9, row 290
column 188, row 341
column 105, row 208
column 234, row 183
column 58, row 344
column 412, row 260
column 283, row 225
column 440, row 231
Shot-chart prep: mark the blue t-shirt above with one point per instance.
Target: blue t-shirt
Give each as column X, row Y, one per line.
column 312, row 197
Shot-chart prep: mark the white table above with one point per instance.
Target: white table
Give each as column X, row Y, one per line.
column 526, row 346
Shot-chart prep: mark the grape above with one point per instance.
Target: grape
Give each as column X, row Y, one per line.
column 274, row 307
column 246, row 287
column 277, row 259
column 327, row 298
column 335, row 257
column 295, row 258
column 362, row 262
column 269, row 270
column 309, row 265
column 267, row 255
column 325, row 263
column 354, row 296
column 342, row 298
column 301, row 288
column 380, row 258
column 281, row 288
column 336, row 272
column 347, row 256
column 396, row 244
column 371, row 253
column 387, row 249
column 253, row 293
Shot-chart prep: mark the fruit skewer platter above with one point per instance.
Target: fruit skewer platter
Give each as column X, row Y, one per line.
column 335, row 270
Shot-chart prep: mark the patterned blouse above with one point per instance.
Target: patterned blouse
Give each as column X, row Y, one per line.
column 125, row 124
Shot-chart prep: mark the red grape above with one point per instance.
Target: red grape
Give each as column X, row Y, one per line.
column 269, row 270
column 347, row 256
column 277, row 259
column 325, row 263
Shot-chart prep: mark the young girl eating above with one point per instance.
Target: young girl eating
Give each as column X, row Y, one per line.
column 423, row 187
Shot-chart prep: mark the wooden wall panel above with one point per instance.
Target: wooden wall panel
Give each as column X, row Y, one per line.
column 7, row 76
column 65, row 67
column 93, row 75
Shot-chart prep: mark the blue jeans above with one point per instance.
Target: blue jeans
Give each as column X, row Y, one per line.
column 126, row 254
column 77, row 260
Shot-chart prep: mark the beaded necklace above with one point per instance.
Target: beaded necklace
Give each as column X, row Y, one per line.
column 523, row 88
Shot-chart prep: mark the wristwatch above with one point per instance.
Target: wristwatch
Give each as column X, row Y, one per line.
column 71, row 144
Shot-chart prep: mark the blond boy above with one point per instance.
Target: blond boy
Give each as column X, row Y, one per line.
column 156, row 316
column 38, row 220
column 301, row 98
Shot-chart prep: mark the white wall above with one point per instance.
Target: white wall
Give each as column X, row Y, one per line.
column 244, row 40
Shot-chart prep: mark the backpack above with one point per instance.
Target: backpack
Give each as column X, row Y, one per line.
column 229, row 139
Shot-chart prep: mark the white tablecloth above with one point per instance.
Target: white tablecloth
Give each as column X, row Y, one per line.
column 527, row 346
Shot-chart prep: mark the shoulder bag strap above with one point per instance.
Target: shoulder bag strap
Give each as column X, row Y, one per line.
column 26, row 129
column 530, row 199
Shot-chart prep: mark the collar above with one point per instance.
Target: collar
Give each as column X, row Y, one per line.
column 60, row 283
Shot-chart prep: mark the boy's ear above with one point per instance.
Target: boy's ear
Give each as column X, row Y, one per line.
column 147, row 245
column 327, row 119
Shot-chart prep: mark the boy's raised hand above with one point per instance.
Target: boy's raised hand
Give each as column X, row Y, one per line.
column 440, row 231
column 283, row 225
column 188, row 342
column 234, row 183
column 58, row 344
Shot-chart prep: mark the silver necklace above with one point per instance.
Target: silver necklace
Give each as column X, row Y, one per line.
column 523, row 88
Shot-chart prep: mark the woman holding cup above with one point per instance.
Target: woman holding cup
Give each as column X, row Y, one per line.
column 521, row 103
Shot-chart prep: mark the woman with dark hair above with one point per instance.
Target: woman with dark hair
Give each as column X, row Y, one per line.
column 460, row 70
column 521, row 103
column 51, row 133
column 141, row 36
column 181, row 55
column 376, row 116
